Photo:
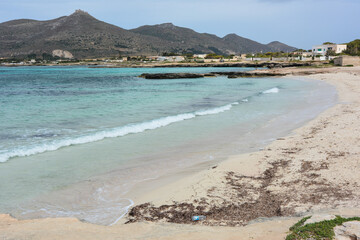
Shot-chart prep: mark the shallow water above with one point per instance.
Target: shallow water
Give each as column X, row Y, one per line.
column 75, row 140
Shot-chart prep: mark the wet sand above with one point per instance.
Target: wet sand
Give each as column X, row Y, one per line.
column 312, row 170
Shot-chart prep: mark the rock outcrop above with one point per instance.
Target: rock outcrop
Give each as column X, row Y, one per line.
column 170, row 75
column 62, row 54
column 319, row 218
column 248, row 74
column 348, row 231
column 212, row 74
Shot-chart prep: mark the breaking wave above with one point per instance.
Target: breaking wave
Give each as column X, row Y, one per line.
column 271, row 90
column 111, row 133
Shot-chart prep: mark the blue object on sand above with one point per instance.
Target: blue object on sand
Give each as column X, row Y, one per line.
column 198, row 218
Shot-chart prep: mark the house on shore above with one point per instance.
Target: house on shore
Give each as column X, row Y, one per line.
column 202, row 56
column 322, row 49
column 170, row 58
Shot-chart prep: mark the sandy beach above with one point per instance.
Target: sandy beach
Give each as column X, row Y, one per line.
column 257, row 195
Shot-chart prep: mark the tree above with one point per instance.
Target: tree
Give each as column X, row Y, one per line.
column 353, row 48
column 327, row 43
column 189, row 55
column 213, row 56
column 170, row 54
column 330, row 52
column 31, row 56
column 46, row 56
column 299, row 50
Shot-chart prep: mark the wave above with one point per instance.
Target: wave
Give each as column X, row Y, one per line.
column 271, row 90
column 111, row 133
column 120, row 131
column 215, row 110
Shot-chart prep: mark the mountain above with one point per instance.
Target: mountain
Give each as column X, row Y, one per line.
column 244, row 45
column 187, row 40
column 181, row 39
column 87, row 37
column 79, row 33
column 280, row 47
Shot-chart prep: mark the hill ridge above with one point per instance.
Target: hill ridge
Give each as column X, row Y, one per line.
column 85, row 37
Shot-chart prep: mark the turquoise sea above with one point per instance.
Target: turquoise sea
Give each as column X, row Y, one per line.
column 76, row 141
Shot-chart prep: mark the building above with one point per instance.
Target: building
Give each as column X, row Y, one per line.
column 200, row 56
column 347, row 61
column 177, row 59
column 153, row 58
column 171, row 58
column 236, row 58
column 211, row 60
column 303, row 54
column 162, row 59
column 322, row 49
column 243, row 55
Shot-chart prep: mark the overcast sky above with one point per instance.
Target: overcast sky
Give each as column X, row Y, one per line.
column 299, row 23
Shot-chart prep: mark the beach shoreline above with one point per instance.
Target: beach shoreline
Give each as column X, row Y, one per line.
column 315, row 152
column 240, row 64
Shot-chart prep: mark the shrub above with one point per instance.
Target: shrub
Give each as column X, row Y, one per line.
column 323, row 230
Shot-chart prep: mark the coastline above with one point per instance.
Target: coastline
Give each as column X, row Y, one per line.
column 283, row 161
column 324, row 138
column 241, row 64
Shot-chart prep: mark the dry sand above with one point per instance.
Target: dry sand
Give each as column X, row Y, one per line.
column 315, row 169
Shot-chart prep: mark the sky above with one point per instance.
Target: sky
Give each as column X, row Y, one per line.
column 299, row 23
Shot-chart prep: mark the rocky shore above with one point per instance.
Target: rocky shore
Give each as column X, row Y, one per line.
column 172, row 75
column 202, row 65
column 211, row 74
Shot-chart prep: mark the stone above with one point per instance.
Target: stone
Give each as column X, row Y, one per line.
column 319, row 218
column 170, row 75
column 62, row 54
column 348, row 231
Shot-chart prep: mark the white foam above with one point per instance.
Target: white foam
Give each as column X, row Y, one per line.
column 125, row 212
column 271, row 90
column 214, row 110
column 116, row 132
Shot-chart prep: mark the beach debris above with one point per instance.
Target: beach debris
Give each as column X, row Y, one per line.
column 198, row 218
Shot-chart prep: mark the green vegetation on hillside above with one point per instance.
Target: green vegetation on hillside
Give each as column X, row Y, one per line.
column 214, row 56
column 353, row 48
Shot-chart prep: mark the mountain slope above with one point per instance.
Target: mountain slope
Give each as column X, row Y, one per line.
column 182, row 39
column 280, row 47
column 86, row 37
column 79, row 33
column 244, row 45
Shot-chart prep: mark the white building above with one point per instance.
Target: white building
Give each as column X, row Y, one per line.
column 322, row 49
column 171, row 58
column 200, row 56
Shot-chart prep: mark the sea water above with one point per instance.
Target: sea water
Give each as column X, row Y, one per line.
column 74, row 141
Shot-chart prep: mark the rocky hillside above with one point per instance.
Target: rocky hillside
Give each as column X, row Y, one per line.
column 243, row 45
column 84, row 36
column 280, row 47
